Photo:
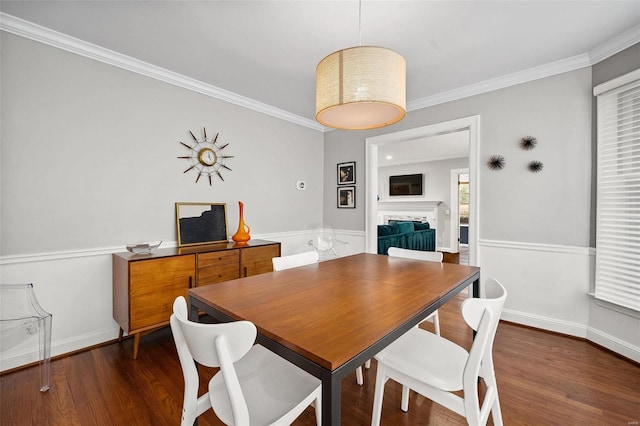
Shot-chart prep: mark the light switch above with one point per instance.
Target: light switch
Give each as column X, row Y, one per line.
column 301, row 185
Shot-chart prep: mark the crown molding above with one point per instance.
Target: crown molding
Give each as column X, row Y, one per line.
column 62, row 41
column 41, row 34
column 531, row 74
column 615, row 45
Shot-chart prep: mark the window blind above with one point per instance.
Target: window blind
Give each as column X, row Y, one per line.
column 617, row 278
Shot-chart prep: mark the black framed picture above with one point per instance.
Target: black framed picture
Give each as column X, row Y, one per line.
column 347, row 173
column 201, row 223
column 346, row 197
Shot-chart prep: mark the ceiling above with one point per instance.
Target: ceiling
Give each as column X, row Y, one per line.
column 267, row 51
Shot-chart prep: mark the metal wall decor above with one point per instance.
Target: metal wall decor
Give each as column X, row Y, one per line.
column 535, row 166
column 528, row 143
column 206, row 156
column 496, row 162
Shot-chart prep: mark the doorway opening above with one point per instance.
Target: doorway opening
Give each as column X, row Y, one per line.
column 471, row 124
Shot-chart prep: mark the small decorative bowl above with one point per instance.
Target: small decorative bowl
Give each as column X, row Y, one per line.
column 143, row 248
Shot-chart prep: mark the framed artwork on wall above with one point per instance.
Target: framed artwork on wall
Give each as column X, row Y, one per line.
column 347, row 173
column 346, row 197
column 201, row 223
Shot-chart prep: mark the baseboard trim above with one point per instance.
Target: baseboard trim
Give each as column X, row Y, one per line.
column 10, row 361
column 590, row 334
column 614, row 344
column 545, row 323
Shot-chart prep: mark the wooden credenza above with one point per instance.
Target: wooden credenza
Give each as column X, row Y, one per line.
column 145, row 285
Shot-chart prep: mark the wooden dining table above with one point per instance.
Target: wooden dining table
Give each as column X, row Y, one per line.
column 330, row 317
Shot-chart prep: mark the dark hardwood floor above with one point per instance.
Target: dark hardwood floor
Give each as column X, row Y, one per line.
column 543, row 379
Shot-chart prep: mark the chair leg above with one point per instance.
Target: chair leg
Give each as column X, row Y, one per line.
column 318, row 407
column 45, row 352
column 404, row 405
column 378, row 396
column 436, row 322
column 495, row 412
column 359, row 378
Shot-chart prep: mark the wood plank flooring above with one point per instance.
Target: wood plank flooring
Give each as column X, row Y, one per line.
column 543, row 379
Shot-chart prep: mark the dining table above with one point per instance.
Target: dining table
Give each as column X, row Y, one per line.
column 330, row 317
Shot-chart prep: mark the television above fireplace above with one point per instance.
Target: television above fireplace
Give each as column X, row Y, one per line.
column 406, row 184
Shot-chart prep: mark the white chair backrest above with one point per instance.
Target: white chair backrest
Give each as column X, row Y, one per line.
column 294, row 260
column 432, row 256
column 199, row 337
column 483, row 316
column 212, row 345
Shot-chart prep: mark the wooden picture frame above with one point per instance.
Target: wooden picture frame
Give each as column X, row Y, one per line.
column 347, row 173
column 346, row 197
column 201, row 223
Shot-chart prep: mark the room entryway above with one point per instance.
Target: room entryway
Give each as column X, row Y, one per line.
column 468, row 124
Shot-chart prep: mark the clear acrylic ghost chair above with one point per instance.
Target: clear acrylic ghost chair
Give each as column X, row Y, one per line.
column 436, row 367
column 431, row 256
column 324, row 242
column 21, row 317
column 294, row 260
column 254, row 386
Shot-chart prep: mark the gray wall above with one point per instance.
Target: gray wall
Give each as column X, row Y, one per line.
column 437, row 177
column 551, row 207
column 89, row 156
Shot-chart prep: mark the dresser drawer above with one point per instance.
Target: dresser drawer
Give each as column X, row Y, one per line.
column 219, row 273
column 225, row 257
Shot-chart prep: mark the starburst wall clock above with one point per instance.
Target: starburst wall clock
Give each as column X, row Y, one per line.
column 206, row 156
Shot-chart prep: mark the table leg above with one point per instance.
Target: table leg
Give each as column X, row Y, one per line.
column 476, row 288
column 193, row 313
column 331, row 401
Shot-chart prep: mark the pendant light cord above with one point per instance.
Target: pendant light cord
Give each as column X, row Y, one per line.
column 360, row 23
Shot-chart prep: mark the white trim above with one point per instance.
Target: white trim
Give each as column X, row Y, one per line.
column 617, row 82
column 30, row 355
column 472, row 124
column 545, row 323
column 614, row 307
column 101, row 251
column 535, row 73
column 615, row 45
column 614, row 344
column 62, row 41
column 573, row 329
column 552, row 248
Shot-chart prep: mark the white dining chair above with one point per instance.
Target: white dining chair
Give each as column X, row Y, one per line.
column 294, row 260
column 436, row 367
column 254, row 386
column 430, row 256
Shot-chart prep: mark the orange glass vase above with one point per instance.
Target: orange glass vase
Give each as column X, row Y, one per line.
column 242, row 235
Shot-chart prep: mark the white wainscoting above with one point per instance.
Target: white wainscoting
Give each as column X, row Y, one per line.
column 76, row 287
column 548, row 288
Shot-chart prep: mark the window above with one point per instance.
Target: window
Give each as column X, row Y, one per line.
column 617, row 277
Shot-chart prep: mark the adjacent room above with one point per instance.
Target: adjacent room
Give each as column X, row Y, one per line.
column 356, row 179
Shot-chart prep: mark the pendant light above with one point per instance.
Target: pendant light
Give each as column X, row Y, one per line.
column 361, row 87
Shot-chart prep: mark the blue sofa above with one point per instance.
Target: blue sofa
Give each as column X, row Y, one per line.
column 406, row 234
